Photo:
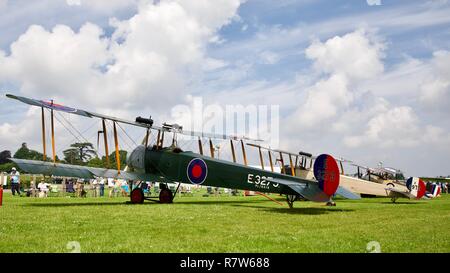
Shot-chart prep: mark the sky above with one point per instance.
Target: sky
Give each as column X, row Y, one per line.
column 366, row 80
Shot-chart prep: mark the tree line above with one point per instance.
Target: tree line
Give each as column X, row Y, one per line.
column 79, row 153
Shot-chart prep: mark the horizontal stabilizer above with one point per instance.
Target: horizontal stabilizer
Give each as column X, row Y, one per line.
column 308, row 189
column 347, row 194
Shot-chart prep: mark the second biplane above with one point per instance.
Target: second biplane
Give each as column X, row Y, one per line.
column 173, row 165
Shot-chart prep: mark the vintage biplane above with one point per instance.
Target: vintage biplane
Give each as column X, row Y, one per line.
column 384, row 182
column 171, row 164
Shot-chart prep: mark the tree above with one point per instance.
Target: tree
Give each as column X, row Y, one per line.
column 24, row 153
column 123, row 159
column 79, row 153
column 7, row 167
column 4, row 156
column 97, row 162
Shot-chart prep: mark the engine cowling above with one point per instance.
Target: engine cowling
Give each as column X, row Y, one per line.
column 136, row 159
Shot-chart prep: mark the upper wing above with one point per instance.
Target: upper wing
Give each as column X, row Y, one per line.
column 84, row 113
column 66, row 170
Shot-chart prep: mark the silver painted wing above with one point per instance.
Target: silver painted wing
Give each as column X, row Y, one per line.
column 66, row 170
column 308, row 189
column 347, row 194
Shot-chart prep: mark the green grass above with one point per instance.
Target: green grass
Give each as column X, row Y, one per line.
column 223, row 224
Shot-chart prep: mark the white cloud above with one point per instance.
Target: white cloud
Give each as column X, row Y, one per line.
column 324, row 100
column 355, row 55
column 435, row 91
column 150, row 55
column 344, row 61
column 103, row 5
column 397, row 126
column 269, row 57
column 143, row 66
column 3, row 4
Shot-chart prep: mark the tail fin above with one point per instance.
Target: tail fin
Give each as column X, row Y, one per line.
column 326, row 172
column 416, row 187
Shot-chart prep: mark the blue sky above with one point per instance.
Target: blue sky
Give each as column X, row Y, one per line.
column 355, row 79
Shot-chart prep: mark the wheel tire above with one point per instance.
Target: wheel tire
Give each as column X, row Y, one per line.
column 137, row 196
column 165, row 196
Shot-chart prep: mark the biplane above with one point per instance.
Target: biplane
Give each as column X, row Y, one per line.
column 171, row 164
column 384, row 182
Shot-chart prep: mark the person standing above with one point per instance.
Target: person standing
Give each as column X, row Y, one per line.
column 102, row 187
column 15, row 181
column 111, row 186
column 43, row 189
column 94, row 187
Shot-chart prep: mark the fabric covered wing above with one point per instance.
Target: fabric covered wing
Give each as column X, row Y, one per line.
column 308, row 189
column 393, row 192
column 347, row 194
column 66, row 170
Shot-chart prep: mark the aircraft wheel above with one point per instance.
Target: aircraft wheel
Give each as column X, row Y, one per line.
column 390, row 185
column 331, row 204
column 137, row 196
column 290, row 200
column 165, row 196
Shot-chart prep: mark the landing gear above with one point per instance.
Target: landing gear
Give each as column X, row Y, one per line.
column 393, row 199
column 165, row 196
column 290, row 200
column 331, row 204
column 137, row 196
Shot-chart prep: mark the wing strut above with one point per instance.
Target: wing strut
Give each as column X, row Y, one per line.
column 292, row 165
column 158, row 139
column 105, row 140
column 261, row 158
column 200, row 146
column 270, row 160
column 53, row 135
column 211, row 148
column 147, row 135
column 116, row 142
column 232, row 151
column 243, row 153
column 282, row 162
column 43, row 133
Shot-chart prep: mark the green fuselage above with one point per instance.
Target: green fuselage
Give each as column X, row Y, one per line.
column 220, row 173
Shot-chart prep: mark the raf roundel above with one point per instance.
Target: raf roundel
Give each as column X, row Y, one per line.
column 197, row 171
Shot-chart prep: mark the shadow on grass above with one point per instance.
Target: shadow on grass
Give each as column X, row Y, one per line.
column 73, row 204
column 303, row 211
column 176, row 202
column 402, row 203
column 223, row 202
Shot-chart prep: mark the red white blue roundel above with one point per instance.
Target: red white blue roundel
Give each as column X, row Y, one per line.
column 197, row 171
column 58, row 107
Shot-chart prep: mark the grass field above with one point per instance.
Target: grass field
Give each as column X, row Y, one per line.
column 222, row 224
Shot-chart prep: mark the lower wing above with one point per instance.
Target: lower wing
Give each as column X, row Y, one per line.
column 393, row 192
column 66, row 170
